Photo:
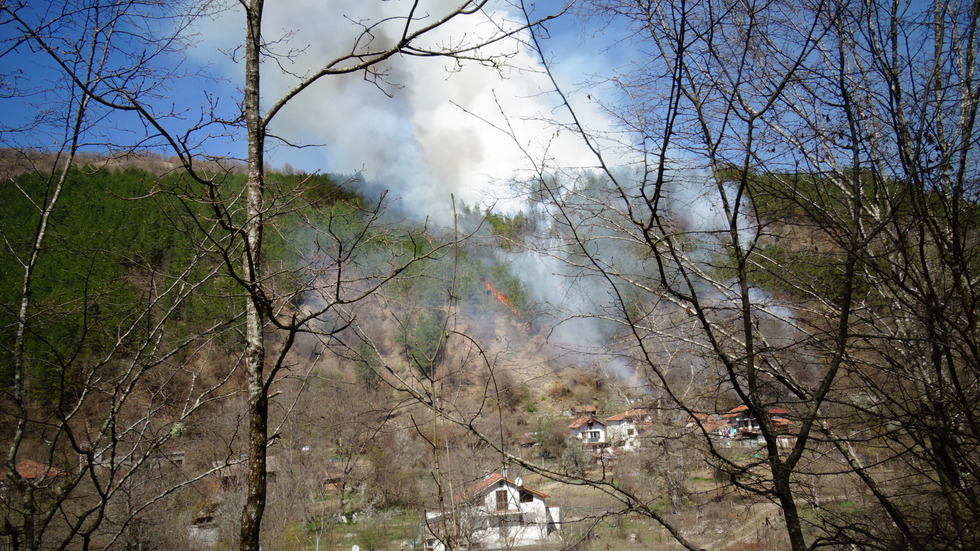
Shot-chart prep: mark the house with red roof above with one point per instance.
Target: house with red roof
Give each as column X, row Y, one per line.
column 743, row 424
column 493, row 513
column 623, row 429
column 588, row 429
column 32, row 471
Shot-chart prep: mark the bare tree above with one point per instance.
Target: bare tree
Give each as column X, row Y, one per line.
column 72, row 476
column 795, row 218
column 907, row 118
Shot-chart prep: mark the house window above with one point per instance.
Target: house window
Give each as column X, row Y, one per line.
column 594, row 434
column 526, row 496
column 501, row 500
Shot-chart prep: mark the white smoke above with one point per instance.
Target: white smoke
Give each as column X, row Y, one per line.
column 573, row 310
column 440, row 133
column 435, row 136
column 699, row 204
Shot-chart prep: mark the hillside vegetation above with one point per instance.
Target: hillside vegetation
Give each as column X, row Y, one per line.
column 133, row 358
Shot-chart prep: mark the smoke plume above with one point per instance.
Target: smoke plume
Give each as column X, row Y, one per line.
column 434, row 128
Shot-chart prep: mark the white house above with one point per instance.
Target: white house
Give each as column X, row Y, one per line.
column 494, row 513
column 589, row 430
column 743, row 425
column 623, row 429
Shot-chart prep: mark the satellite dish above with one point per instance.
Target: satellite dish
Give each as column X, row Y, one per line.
column 519, row 482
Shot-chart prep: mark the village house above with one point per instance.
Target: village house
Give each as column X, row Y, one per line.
column 579, row 411
column 591, row 431
column 742, row 424
column 739, row 425
column 623, row 429
column 494, row 513
column 32, row 471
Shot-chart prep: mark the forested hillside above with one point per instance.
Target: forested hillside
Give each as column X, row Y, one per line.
column 131, row 356
column 131, row 367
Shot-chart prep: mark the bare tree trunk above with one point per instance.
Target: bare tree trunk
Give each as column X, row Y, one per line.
column 258, row 404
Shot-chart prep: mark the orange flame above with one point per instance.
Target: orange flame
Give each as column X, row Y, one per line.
column 502, row 298
column 506, row 302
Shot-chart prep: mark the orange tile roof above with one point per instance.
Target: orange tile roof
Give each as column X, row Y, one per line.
column 482, row 485
column 628, row 413
column 29, row 469
column 584, row 420
column 735, row 411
